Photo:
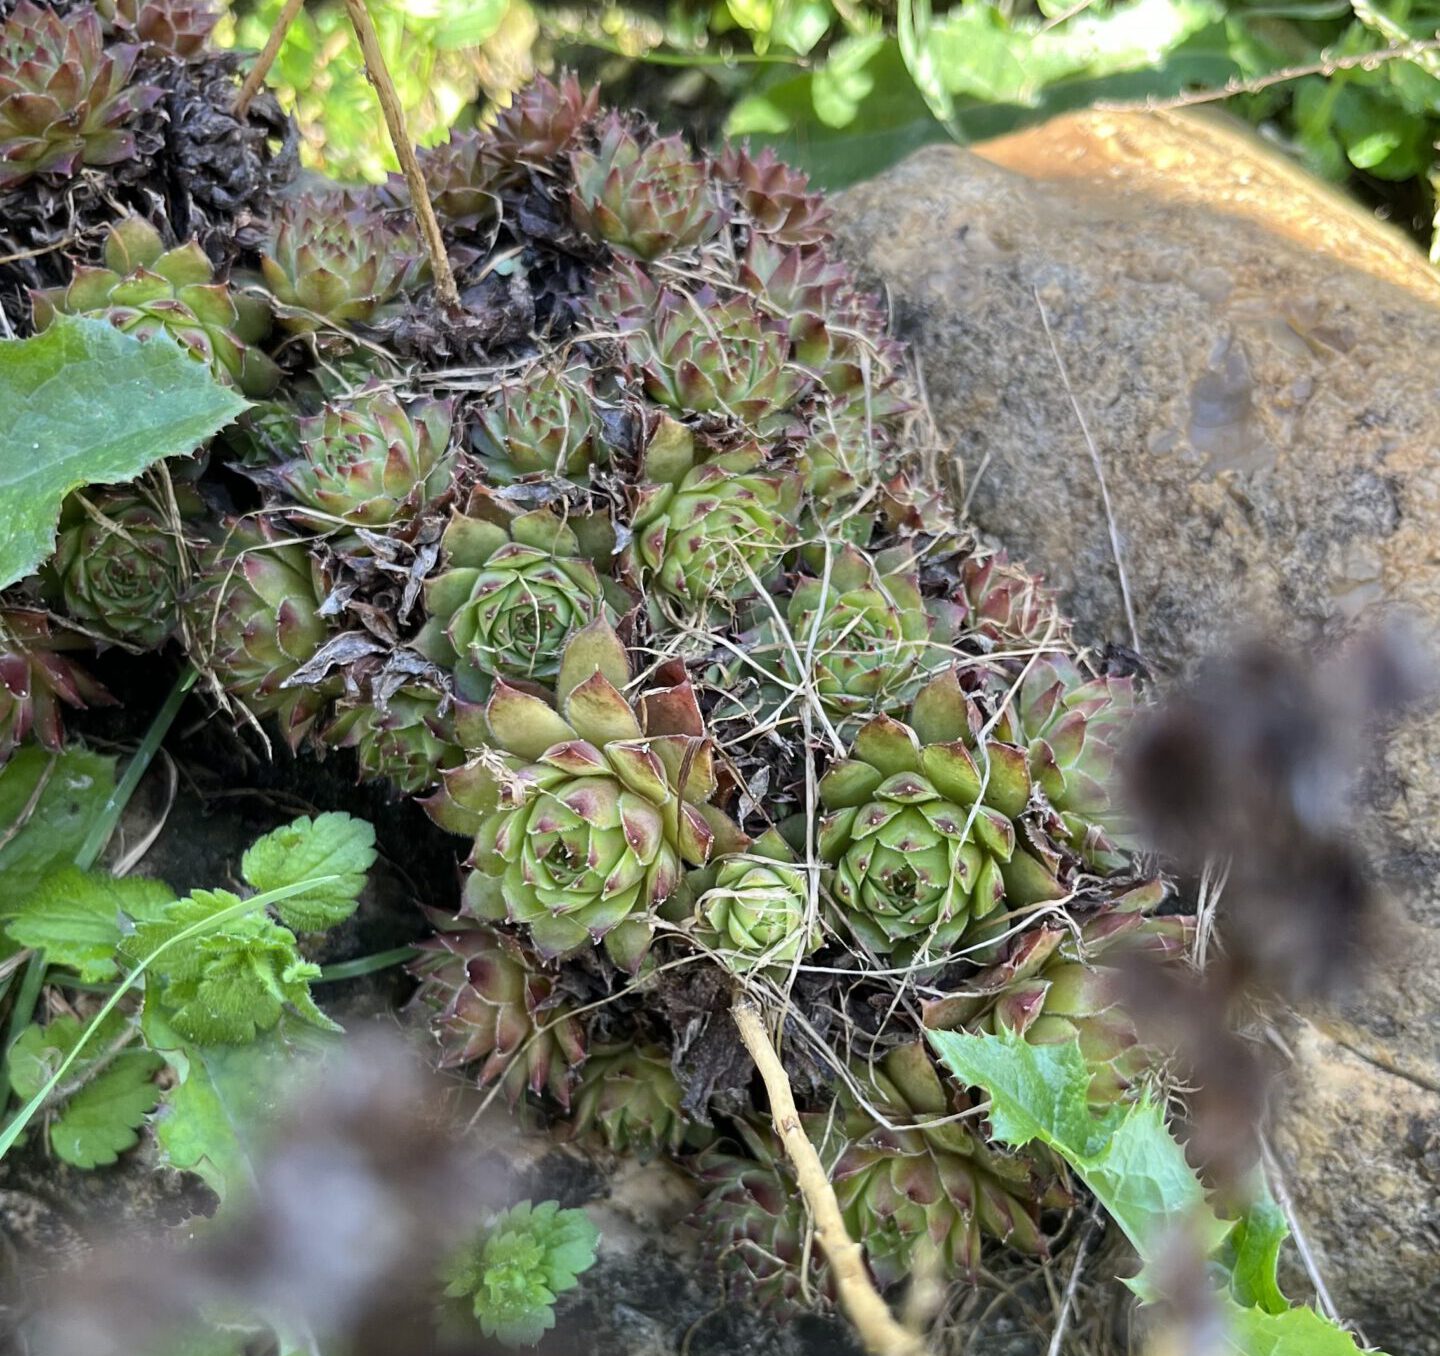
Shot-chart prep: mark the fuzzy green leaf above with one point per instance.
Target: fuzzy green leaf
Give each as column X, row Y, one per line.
column 333, row 844
column 514, row 1271
column 1127, row 1157
column 224, row 1095
column 75, row 916
column 1132, row 1163
column 85, row 404
column 103, row 1117
column 228, row 983
column 41, row 837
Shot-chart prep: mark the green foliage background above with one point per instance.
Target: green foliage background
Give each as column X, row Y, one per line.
column 847, row 87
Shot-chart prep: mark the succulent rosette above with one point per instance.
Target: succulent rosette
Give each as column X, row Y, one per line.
column 37, row 679
column 927, row 1191
column 491, row 1004
column 544, row 121
column 859, row 634
column 459, row 179
column 753, row 1226
column 544, row 425
column 1071, row 726
column 512, row 592
column 775, row 197
column 629, row 1097
column 370, row 462
column 66, row 100
column 1007, row 607
column 180, row 28
column 254, row 619
column 334, row 258
column 145, row 289
column 708, row 532
column 586, row 812
column 753, row 910
column 920, row 838
column 699, row 353
column 1054, row 986
column 406, row 738
column 118, row 566
column 645, row 197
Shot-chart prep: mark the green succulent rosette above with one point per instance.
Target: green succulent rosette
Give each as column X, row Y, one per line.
column 859, row 634
column 629, row 1097
column 754, row 908
column 776, row 198
column 542, row 426
column 512, row 591
column 334, row 258
column 369, row 462
column 67, row 100
column 644, row 197
column 1071, row 727
column 920, row 839
column 707, row 532
column 586, row 812
column 119, row 565
column 917, row 1193
column 253, row 620
column 1054, row 985
column 492, row 1005
column 37, row 679
column 145, row 289
column 406, row 739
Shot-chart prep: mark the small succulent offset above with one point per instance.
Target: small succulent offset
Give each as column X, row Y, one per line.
column 145, row 289
column 630, row 1098
column 334, row 258
column 370, row 462
column 37, row 679
column 512, row 591
column 643, row 199
column 520, row 1264
column 754, row 909
column 586, row 812
column 66, row 99
column 544, row 425
column 118, row 567
column 708, row 533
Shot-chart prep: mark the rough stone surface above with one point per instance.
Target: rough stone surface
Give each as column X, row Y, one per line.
column 1255, row 365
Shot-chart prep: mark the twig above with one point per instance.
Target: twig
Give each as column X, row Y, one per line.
column 1057, row 1338
column 379, row 76
column 878, row 1328
column 1282, row 1198
column 1099, row 475
column 267, row 56
column 1327, row 66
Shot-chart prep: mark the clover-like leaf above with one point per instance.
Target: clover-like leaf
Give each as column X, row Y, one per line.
column 75, row 916
column 86, row 404
column 333, row 844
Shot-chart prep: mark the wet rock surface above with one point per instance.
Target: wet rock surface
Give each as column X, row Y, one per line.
column 1254, row 364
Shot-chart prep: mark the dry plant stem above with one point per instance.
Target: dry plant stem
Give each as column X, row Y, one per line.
column 877, row 1326
column 266, row 59
column 379, row 76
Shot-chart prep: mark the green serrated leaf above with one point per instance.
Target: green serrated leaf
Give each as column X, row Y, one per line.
column 227, row 983
column 333, row 844
column 1252, row 1254
column 74, row 916
column 1128, row 1157
column 96, row 1124
column 43, row 832
column 85, row 404
column 1132, row 1163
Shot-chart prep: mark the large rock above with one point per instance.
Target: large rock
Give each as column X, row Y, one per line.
column 1255, row 362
